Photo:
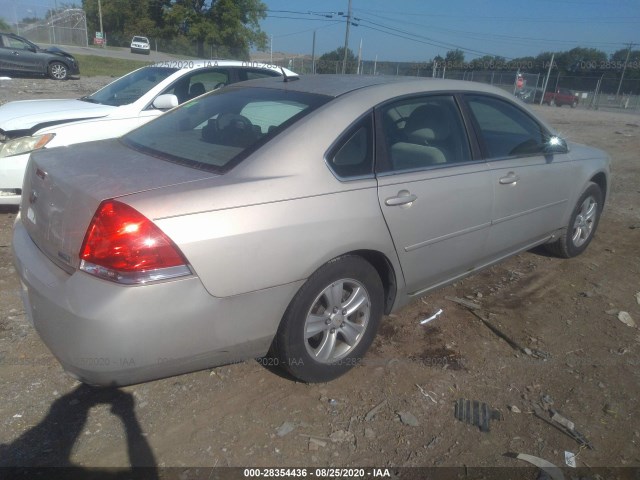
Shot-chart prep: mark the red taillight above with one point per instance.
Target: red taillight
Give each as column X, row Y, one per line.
column 121, row 244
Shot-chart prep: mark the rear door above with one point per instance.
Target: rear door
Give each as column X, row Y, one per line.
column 531, row 187
column 435, row 196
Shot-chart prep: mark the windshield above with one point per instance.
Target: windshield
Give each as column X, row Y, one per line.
column 131, row 87
column 217, row 131
column 140, row 39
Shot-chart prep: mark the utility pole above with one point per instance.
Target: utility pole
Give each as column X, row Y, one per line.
column 546, row 81
column 271, row 48
column 346, row 40
column 313, row 54
column 100, row 15
column 360, row 57
column 624, row 69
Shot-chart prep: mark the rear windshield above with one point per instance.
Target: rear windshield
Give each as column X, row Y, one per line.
column 131, row 87
column 217, row 131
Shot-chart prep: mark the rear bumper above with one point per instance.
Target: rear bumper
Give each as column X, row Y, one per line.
column 106, row 334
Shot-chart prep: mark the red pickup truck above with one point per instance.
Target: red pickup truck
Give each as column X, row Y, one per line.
column 562, row 96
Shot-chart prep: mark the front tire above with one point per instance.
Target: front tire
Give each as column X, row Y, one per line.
column 58, row 71
column 331, row 321
column 582, row 224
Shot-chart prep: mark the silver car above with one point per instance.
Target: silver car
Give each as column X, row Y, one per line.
column 284, row 218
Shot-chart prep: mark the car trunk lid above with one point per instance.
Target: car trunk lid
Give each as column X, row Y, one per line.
column 64, row 186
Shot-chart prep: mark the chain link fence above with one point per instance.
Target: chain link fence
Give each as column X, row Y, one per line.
column 67, row 27
column 593, row 92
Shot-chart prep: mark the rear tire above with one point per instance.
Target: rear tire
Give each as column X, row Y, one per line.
column 58, row 71
column 582, row 224
column 331, row 322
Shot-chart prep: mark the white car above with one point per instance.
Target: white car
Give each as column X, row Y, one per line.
column 110, row 112
column 140, row 45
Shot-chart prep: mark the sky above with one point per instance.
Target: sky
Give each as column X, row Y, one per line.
column 418, row 30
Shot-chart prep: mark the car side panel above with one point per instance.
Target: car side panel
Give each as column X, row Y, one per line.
column 531, row 207
column 253, row 247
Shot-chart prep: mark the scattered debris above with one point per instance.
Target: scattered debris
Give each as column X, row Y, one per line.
column 316, row 444
column 547, row 467
column 514, row 409
column 463, row 302
column 408, row 418
column 371, row 414
column 638, row 298
column 547, row 399
column 625, row 318
column 431, row 318
column 586, row 294
column 570, row 459
column 333, row 402
column 285, row 428
column 563, row 424
column 475, row 413
column 17, row 415
column 610, row 410
column 342, row 436
column 512, row 343
column 612, row 311
column 426, row 394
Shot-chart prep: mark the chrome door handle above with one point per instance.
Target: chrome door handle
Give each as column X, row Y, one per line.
column 403, row 198
column 509, row 179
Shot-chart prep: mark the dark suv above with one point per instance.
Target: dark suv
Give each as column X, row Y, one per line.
column 20, row 56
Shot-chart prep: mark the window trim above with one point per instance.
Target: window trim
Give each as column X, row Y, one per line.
column 344, row 137
column 477, row 131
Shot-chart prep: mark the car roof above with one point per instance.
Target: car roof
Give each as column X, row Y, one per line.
column 195, row 64
column 337, row 85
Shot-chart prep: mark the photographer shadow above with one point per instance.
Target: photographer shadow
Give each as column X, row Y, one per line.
column 51, row 442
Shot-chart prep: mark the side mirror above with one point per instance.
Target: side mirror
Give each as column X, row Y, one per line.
column 556, row 144
column 165, row 102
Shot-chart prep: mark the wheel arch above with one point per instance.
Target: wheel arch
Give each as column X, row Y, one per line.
column 600, row 179
column 385, row 270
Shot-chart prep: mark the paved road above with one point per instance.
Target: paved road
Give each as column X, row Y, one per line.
column 116, row 52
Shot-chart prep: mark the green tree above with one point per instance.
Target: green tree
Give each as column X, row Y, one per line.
column 331, row 62
column 4, row 26
column 231, row 26
column 580, row 60
column 455, row 59
column 633, row 64
column 121, row 19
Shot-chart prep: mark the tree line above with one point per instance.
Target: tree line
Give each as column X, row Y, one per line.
column 587, row 62
column 225, row 28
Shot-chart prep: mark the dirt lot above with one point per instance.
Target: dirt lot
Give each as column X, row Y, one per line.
column 397, row 408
